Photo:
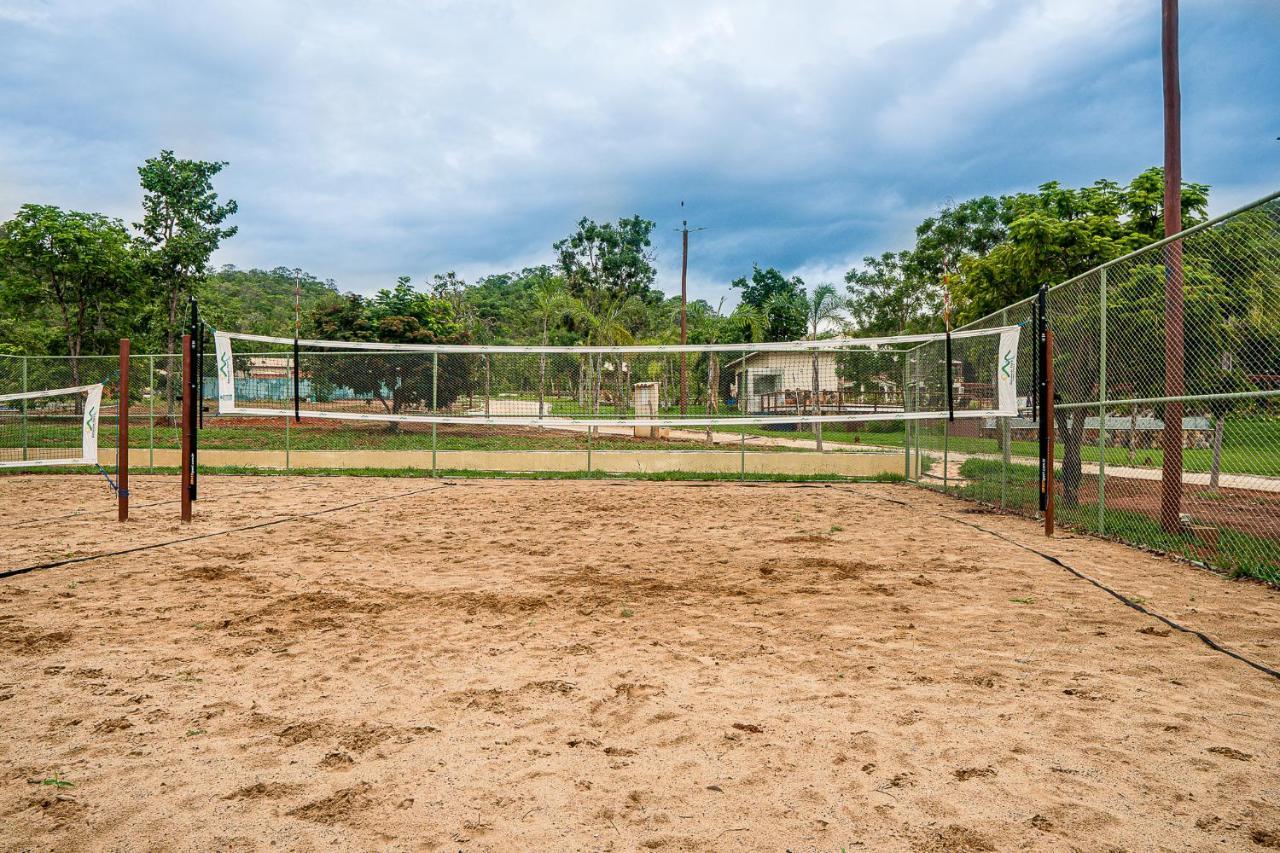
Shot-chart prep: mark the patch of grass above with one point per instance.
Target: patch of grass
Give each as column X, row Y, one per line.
column 462, row 474
column 1239, row 554
column 55, row 781
column 1027, row 600
column 627, row 613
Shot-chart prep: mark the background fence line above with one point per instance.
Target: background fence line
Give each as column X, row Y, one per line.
column 1108, row 364
column 1109, row 371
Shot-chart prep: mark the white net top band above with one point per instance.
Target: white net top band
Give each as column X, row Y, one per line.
column 771, row 346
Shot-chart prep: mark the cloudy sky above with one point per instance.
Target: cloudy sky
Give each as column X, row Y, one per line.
column 418, row 137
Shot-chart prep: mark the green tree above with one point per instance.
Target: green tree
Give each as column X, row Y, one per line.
column 550, row 303
column 823, row 307
column 604, row 264
column 1056, row 234
column 969, row 229
column 81, row 263
column 782, row 299
column 397, row 380
column 181, row 227
column 261, row 302
column 889, row 296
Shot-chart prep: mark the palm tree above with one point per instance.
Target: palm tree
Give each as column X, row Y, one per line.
column 824, row 306
column 550, row 302
column 605, row 326
column 711, row 326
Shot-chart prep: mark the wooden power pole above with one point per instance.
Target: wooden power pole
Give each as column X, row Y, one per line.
column 684, row 302
column 1171, row 472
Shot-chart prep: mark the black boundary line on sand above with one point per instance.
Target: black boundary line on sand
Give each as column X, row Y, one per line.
column 1118, row 596
column 8, row 573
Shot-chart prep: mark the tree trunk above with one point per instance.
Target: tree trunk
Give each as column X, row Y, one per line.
column 542, row 372
column 713, row 385
column 1071, row 427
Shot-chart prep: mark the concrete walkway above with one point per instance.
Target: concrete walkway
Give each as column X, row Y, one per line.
column 1255, row 482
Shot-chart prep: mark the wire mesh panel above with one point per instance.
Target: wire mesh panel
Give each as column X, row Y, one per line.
column 747, row 409
column 1174, row 447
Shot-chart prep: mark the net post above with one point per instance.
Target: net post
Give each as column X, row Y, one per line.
column 287, row 460
column 122, row 435
column 194, row 389
column 1038, row 407
column 187, row 406
column 1102, row 402
column 1047, row 411
column 946, row 454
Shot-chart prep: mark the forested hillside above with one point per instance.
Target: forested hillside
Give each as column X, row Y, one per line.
column 74, row 282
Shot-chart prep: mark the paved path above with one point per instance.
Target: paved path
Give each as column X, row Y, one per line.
column 954, row 460
column 1255, row 482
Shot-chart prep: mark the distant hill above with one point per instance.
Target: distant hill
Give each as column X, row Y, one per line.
column 260, row 302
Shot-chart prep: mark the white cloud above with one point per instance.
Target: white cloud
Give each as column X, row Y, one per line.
column 416, row 137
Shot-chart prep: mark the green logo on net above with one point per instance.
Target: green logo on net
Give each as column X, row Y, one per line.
column 1006, row 366
column 224, row 365
column 91, row 420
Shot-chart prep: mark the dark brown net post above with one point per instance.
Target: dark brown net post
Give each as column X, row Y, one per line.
column 188, row 417
column 122, row 435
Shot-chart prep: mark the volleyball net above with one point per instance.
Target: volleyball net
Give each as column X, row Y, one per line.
column 58, row 426
column 972, row 375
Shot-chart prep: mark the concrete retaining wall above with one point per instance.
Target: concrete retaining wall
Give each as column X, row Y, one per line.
column 861, row 464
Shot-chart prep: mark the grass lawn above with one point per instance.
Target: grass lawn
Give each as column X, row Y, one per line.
column 1240, row 554
column 1249, row 446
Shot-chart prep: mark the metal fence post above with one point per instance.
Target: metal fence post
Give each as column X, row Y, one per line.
column 435, row 373
column 1102, row 402
column 1005, row 438
column 906, row 423
column 24, row 409
column 744, row 395
column 151, row 414
column 287, row 449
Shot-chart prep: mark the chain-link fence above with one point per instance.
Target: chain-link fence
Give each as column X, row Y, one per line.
column 153, row 410
column 1167, row 429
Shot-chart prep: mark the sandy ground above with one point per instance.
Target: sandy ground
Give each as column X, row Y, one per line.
column 493, row 665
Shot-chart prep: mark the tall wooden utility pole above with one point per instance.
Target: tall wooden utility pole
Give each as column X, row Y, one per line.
column 684, row 301
column 684, row 321
column 1171, row 470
